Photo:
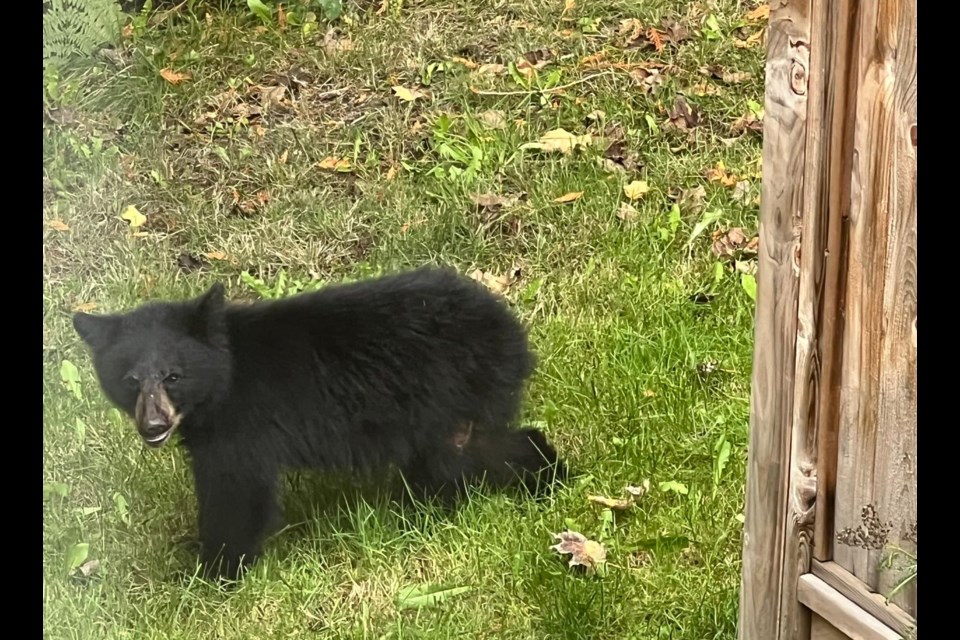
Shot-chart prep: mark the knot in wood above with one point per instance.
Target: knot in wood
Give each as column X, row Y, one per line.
column 798, row 78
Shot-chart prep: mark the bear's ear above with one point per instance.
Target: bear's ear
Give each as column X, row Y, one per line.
column 208, row 322
column 96, row 331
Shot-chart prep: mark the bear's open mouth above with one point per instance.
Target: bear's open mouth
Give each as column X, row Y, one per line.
column 158, row 440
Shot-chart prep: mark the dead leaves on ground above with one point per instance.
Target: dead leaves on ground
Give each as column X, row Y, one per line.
column 683, row 115
column 174, row 77
column 499, row 284
column 559, row 141
column 631, row 495
column 733, row 244
column 583, row 552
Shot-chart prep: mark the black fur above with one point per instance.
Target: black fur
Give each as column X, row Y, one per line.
column 423, row 371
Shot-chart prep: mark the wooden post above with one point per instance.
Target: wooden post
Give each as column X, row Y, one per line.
column 834, row 378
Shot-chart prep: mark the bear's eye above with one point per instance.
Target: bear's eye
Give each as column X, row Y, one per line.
column 172, row 378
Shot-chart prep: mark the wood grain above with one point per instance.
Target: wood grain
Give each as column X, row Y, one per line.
column 841, row 613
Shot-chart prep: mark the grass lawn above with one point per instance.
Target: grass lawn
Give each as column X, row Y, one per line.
column 279, row 157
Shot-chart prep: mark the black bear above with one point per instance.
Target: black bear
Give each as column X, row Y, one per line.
column 423, row 371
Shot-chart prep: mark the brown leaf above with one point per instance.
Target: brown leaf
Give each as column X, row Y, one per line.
column 58, row 225
column 215, row 255
column 636, row 189
column 497, row 284
column 683, row 115
column 334, row 42
column 759, row 14
column 648, row 79
column 733, row 244
column 691, row 200
column 617, row 504
column 618, row 157
column 748, row 122
column 728, row 77
column 583, row 552
column 469, row 64
column 569, row 197
column 174, row 77
column 673, row 31
column 655, row 38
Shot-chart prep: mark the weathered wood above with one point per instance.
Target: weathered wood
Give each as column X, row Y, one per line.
column 820, row 629
column 839, row 19
column 878, row 419
column 856, row 591
column 841, row 613
column 771, row 410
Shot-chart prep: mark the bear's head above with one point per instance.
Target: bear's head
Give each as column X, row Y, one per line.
column 162, row 362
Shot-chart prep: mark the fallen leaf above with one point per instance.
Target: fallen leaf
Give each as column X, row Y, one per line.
column 494, row 119
column 674, row 31
column 741, row 192
column 730, row 243
column 636, row 189
column 618, row 157
column 633, row 493
column 134, row 217
column 749, row 284
column 617, row 504
column 749, row 122
column 497, row 284
column 691, row 200
column 334, row 42
column 726, row 76
column 408, row 95
column 215, row 255
column 627, row 212
column 721, row 175
column 421, row 596
column 597, row 115
column 492, row 69
column 469, row 64
column 568, row 197
column 77, row 555
column 88, row 568
column 392, row 172
column 335, row 164
column 174, row 77
column 755, row 39
column 84, row 307
column 532, row 61
column 648, row 79
column 283, row 157
column 759, row 14
column 583, row 552
column 649, row 393
column 683, row 115
column 493, row 201
column 58, row 225
column 559, row 140
column 656, row 38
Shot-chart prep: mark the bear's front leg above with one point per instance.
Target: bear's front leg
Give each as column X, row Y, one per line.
column 237, row 508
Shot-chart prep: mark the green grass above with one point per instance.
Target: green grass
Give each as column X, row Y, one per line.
column 637, row 380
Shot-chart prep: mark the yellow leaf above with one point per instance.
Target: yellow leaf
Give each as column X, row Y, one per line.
column 58, row 225
column 215, row 255
column 407, row 95
column 134, row 217
column 636, row 189
column 469, row 64
column 391, row 173
column 568, row 197
column 491, row 69
column 558, row 140
column 335, row 164
column 173, row 77
column 85, row 307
